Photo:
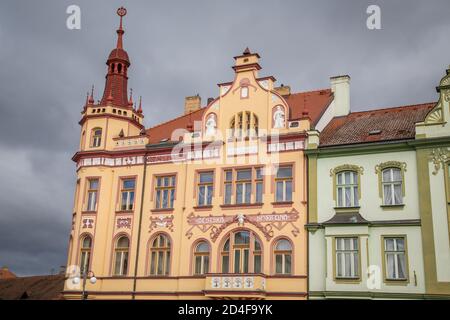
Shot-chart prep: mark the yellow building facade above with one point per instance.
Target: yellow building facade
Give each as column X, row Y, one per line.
column 209, row 205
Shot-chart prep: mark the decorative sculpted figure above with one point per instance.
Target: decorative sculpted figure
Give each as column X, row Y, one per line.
column 278, row 118
column 211, row 125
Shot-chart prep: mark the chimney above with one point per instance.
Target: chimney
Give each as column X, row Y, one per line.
column 340, row 86
column 283, row 90
column 192, row 104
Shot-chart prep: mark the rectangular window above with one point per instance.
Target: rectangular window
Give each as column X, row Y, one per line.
column 127, row 194
column 395, row 258
column 246, row 184
column 259, row 186
column 228, row 186
column 392, row 186
column 96, row 137
column 164, row 192
column 283, row 184
column 205, row 188
column 92, row 194
column 243, row 186
column 347, row 189
column 347, row 258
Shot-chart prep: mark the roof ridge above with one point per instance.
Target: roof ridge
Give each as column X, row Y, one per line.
column 392, row 108
column 311, row 91
column 174, row 119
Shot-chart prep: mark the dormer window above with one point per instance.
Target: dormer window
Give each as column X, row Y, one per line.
column 96, row 137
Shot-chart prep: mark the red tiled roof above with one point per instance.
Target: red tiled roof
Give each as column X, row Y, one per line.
column 315, row 102
column 33, row 288
column 164, row 130
column 375, row 125
column 6, row 274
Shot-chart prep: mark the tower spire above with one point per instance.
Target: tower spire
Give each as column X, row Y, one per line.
column 116, row 91
column 121, row 12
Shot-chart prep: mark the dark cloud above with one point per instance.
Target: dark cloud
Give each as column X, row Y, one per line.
column 179, row 48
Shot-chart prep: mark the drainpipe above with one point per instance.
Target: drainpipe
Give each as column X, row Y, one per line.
column 307, row 222
column 133, row 294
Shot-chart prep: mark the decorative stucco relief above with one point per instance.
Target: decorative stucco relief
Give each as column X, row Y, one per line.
column 263, row 222
column 439, row 156
column 161, row 222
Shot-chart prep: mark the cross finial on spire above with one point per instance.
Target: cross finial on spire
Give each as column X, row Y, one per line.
column 121, row 12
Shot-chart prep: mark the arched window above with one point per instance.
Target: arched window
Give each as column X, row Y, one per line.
column 392, row 186
column 121, row 256
column 201, row 258
column 242, row 253
column 283, row 257
column 160, row 256
column 347, row 189
column 96, row 137
column 244, row 124
column 85, row 254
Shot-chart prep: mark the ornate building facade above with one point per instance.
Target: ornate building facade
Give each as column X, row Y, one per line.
column 211, row 204
column 260, row 193
column 379, row 216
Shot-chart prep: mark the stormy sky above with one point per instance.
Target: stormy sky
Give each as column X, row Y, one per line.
column 179, row 48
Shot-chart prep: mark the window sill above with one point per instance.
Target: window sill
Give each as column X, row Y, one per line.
column 165, row 210
column 347, row 280
column 282, row 203
column 396, row 282
column 89, row 212
column 392, row 206
column 203, row 208
column 347, row 209
column 241, row 205
column 124, row 211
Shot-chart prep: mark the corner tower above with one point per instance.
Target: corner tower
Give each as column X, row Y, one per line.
column 115, row 115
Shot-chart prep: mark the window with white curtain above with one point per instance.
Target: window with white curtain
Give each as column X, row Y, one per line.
column 121, row 256
column 283, row 257
column 160, row 256
column 347, row 189
column 347, row 258
column 92, row 194
column 243, row 186
column 283, row 184
column 392, row 183
column 205, row 188
column 395, row 258
column 165, row 192
column 201, row 258
column 85, row 254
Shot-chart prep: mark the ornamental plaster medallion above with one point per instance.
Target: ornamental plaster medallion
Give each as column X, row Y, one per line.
column 248, row 282
column 161, row 222
column 88, row 223
column 123, row 223
column 439, row 156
